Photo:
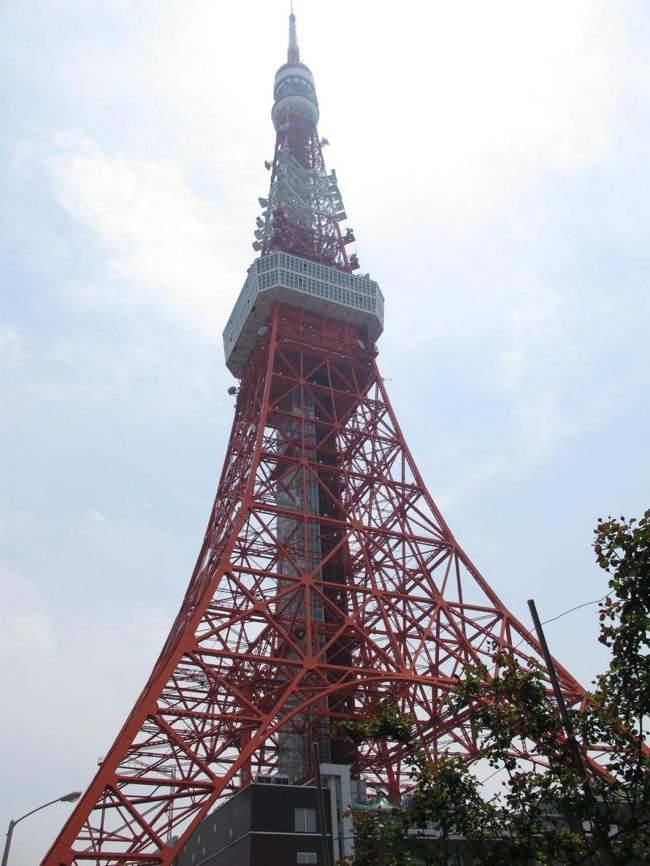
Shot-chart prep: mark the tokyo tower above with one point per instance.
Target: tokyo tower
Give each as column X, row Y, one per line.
column 328, row 581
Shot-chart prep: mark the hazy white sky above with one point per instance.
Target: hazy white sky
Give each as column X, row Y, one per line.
column 493, row 158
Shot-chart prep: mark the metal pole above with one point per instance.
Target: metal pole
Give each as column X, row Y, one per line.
column 10, row 833
column 321, row 806
column 559, row 697
column 67, row 798
column 568, row 730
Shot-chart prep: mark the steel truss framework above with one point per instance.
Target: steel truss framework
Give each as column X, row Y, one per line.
column 328, row 581
column 304, row 208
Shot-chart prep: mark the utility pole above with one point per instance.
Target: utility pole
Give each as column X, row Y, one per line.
column 608, row 856
column 321, row 806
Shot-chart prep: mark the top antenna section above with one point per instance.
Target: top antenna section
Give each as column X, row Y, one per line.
column 293, row 54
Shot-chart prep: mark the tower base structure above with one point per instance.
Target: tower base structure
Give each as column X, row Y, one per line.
column 327, row 583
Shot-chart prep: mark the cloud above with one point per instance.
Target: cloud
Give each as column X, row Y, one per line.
column 10, row 345
column 27, row 634
column 481, row 101
column 163, row 243
column 488, row 98
column 541, row 423
column 530, row 323
column 476, row 474
column 70, row 670
column 488, row 102
column 51, row 650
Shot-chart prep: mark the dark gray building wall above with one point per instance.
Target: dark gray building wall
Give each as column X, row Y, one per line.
column 256, row 827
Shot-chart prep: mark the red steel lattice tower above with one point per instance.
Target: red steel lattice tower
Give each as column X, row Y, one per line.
column 328, row 580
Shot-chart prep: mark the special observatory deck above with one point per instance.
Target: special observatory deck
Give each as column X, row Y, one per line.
column 282, row 277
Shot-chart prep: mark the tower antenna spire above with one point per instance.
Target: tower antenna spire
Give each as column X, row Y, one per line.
column 293, row 54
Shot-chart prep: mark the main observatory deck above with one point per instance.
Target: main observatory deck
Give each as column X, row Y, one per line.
column 282, row 277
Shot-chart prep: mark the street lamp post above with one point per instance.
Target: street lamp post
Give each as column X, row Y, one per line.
column 66, row 798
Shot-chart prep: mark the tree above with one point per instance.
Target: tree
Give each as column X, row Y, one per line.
column 542, row 815
column 621, row 704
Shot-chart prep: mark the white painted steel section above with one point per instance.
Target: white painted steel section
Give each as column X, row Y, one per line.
column 282, row 277
column 340, row 788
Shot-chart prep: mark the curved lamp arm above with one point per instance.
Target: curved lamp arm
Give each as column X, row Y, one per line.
column 66, row 798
